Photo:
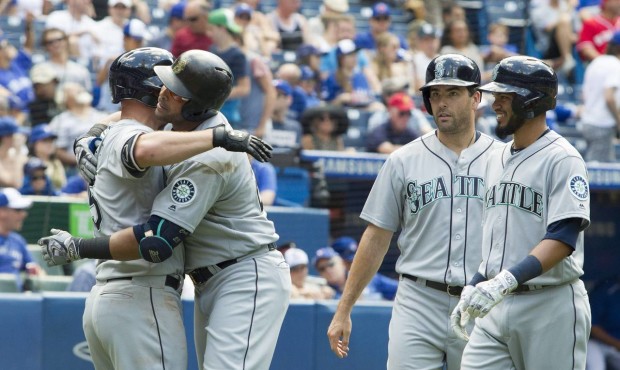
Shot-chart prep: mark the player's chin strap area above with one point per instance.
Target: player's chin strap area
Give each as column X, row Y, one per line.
column 202, row 274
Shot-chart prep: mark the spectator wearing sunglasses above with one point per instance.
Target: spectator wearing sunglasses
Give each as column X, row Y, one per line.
column 395, row 132
column 194, row 34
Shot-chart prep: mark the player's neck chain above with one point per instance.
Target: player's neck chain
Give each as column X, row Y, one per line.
column 514, row 150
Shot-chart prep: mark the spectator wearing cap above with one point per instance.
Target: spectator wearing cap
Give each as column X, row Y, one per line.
column 427, row 48
column 600, row 117
column 42, row 145
column 331, row 267
column 224, row 32
column 302, row 288
column 394, row 133
column 12, row 158
column 282, row 131
column 36, row 181
column 194, row 34
column 346, row 247
column 45, row 82
column 290, row 24
column 308, row 86
column 348, row 85
column 14, row 67
column 379, row 22
column 324, row 127
column 163, row 40
column 14, row 255
column 418, row 122
column 310, row 56
column 55, row 43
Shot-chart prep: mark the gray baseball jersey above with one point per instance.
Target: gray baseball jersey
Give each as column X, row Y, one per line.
column 435, row 197
column 547, row 327
column 238, row 312
column 144, row 328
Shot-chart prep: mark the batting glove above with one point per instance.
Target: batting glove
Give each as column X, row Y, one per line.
column 459, row 317
column 489, row 293
column 84, row 149
column 240, row 141
column 60, row 248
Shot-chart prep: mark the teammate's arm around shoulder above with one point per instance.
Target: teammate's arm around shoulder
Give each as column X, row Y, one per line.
column 370, row 253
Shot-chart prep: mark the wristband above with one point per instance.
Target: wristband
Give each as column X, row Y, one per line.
column 98, row 248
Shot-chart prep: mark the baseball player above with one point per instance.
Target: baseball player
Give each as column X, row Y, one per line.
column 532, row 308
column 211, row 204
column 149, row 317
column 432, row 189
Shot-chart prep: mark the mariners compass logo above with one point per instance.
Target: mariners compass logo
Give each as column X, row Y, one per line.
column 179, row 66
column 439, row 70
column 579, row 187
column 183, row 191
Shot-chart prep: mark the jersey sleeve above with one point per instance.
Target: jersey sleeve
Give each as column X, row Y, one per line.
column 191, row 190
column 119, row 144
column 384, row 204
column 569, row 192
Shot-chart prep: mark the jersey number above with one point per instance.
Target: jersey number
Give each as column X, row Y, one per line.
column 95, row 213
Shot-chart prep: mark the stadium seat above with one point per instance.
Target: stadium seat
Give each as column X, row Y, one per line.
column 50, row 283
column 35, row 251
column 358, row 127
column 293, row 187
column 8, row 283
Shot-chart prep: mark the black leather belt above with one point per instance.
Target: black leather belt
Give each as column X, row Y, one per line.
column 171, row 281
column 453, row 290
column 202, row 274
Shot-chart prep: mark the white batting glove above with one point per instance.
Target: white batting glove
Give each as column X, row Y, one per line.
column 459, row 317
column 59, row 248
column 85, row 149
column 489, row 293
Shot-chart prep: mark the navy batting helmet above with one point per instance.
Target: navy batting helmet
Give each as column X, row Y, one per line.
column 534, row 83
column 449, row 69
column 132, row 75
column 203, row 78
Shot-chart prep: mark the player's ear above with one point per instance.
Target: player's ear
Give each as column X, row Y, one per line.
column 477, row 95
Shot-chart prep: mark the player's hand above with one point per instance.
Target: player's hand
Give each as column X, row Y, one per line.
column 489, row 293
column 338, row 333
column 84, row 149
column 240, row 141
column 460, row 317
column 60, row 248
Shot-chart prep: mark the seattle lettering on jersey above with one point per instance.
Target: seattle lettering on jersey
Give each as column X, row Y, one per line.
column 420, row 196
column 516, row 195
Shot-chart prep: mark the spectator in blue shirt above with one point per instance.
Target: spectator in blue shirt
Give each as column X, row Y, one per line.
column 36, row 181
column 379, row 23
column 307, row 87
column 15, row 73
column 14, row 255
column 266, row 180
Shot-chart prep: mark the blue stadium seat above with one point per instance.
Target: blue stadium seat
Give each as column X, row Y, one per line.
column 293, row 187
column 358, row 127
column 13, row 29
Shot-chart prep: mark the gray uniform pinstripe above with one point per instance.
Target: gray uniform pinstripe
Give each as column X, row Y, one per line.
column 135, row 323
column 547, row 328
column 435, row 198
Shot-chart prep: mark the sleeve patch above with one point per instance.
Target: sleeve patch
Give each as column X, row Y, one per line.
column 183, row 191
column 578, row 187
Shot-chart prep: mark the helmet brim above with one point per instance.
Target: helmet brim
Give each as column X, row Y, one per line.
column 448, row 82
column 171, row 81
column 498, row 87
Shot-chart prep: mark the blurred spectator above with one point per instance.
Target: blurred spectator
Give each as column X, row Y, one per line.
column 600, row 118
column 266, row 181
column 260, row 37
column 498, row 47
column 307, row 86
column 319, row 25
column 346, row 247
column 36, row 181
column 394, row 133
column 427, row 48
column 256, row 108
column 604, row 344
column 163, row 40
column 55, row 43
column 194, row 35
column 386, row 63
column 456, row 39
column 290, row 24
column 76, row 119
column 14, row 67
column 553, row 24
column 324, row 127
column 42, row 145
column 291, row 73
column 79, row 26
column 282, row 131
column 76, row 186
column 223, row 31
column 44, row 81
column 418, row 122
column 348, row 85
column 14, row 255
column 286, row 246
column 12, row 159
column 297, row 260
column 379, row 23
column 109, row 30
column 598, row 30
column 310, row 56
column 83, row 277
column 451, row 11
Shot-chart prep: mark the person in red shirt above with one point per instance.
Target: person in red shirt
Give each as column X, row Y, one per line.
column 194, row 35
column 598, row 30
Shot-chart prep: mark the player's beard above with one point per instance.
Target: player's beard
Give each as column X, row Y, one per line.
column 514, row 123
